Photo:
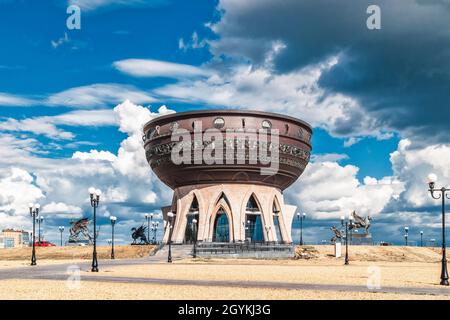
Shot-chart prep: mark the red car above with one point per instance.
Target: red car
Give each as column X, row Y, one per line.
column 44, row 244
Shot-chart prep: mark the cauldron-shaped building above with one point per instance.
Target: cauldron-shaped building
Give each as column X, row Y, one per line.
column 231, row 200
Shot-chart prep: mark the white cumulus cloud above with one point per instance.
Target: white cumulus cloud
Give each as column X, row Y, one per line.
column 61, row 210
column 327, row 190
column 157, row 68
column 412, row 165
column 60, row 185
column 17, row 190
column 94, row 155
column 10, row 100
column 296, row 93
column 99, row 94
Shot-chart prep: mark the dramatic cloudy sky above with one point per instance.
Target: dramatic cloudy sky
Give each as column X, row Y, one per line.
column 72, row 102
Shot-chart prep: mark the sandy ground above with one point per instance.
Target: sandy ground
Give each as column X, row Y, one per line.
column 316, row 253
column 359, row 273
column 373, row 253
column 392, row 266
column 74, row 253
column 49, row 289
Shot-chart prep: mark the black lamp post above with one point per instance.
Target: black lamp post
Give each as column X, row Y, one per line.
column 154, row 228
column 301, row 217
column 113, row 222
column 406, row 235
column 194, row 224
column 61, row 230
column 39, row 220
column 421, row 238
column 442, row 194
column 95, row 199
column 34, row 211
column 348, row 224
column 149, row 218
column 170, row 215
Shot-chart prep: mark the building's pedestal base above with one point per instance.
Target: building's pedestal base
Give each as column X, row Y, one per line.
column 232, row 212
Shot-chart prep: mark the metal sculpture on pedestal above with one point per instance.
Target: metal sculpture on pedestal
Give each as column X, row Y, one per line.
column 79, row 232
column 139, row 234
column 361, row 223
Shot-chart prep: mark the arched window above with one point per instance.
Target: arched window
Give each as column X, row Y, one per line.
column 224, row 197
column 221, row 227
column 252, row 205
column 194, row 205
column 276, row 220
column 253, row 222
column 191, row 231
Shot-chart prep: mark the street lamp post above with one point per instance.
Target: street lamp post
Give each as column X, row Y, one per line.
column 301, row 231
column 154, row 231
column 432, row 178
column 39, row 220
column 34, row 211
column 421, row 238
column 348, row 224
column 149, row 218
column 170, row 215
column 301, row 217
column 154, row 228
column 406, row 235
column 61, row 230
column 113, row 222
column 194, row 224
column 95, row 199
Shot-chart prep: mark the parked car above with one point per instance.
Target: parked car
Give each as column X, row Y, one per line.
column 44, row 244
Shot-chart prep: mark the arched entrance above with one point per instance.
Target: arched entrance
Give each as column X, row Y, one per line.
column 221, row 227
column 191, row 231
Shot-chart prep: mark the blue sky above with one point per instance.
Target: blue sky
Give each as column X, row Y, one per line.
column 365, row 93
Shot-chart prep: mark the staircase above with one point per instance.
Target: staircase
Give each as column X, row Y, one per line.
column 228, row 250
column 179, row 252
column 253, row 250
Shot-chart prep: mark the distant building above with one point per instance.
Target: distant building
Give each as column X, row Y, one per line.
column 26, row 238
column 11, row 238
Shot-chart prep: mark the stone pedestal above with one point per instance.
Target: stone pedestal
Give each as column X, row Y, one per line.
column 232, row 198
column 337, row 249
column 361, row 239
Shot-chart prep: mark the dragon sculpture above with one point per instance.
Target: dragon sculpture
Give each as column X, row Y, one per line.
column 360, row 222
column 139, row 233
column 80, row 227
column 337, row 234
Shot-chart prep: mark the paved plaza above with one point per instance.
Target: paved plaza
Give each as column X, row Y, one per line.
column 186, row 278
